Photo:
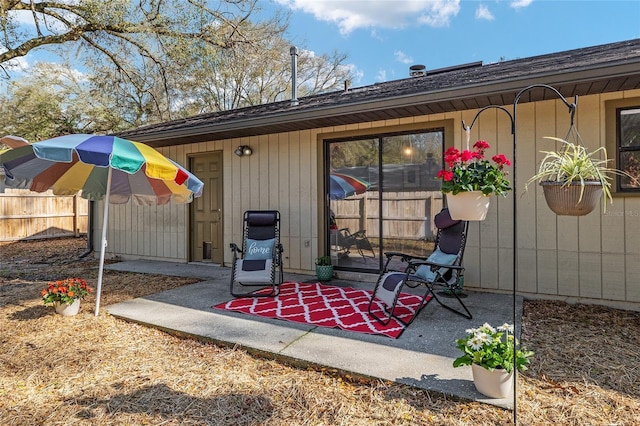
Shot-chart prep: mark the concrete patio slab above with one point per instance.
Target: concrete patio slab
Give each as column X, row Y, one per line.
column 422, row 356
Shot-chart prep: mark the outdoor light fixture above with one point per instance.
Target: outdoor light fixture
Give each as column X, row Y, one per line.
column 243, row 150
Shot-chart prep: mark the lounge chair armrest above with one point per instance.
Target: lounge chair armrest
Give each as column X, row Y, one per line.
column 403, row 256
column 416, row 263
column 235, row 248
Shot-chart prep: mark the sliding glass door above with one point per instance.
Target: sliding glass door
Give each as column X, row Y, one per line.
column 382, row 194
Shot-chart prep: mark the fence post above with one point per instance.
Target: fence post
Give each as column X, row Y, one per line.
column 76, row 218
column 363, row 213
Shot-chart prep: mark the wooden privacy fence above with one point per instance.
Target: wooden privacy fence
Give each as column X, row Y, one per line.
column 29, row 215
column 405, row 215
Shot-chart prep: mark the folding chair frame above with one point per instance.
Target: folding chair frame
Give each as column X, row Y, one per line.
column 269, row 222
column 359, row 239
column 412, row 281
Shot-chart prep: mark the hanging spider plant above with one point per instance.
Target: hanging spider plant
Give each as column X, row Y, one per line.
column 575, row 165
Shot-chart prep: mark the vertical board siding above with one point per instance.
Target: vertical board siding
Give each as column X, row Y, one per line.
column 544, row 224
column 587, row 117
column 613, row 276
column 546, row 267
column 632, row 272
column 592, row 257
column 590, row 275
column 568, row 273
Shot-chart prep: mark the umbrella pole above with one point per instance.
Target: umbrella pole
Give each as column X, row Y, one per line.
column 103, row 245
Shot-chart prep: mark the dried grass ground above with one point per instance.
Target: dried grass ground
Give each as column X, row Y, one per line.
column 102, row 371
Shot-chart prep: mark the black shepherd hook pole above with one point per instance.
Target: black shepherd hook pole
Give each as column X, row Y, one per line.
column 513, row 117
column 572, row 112
column 515, row 251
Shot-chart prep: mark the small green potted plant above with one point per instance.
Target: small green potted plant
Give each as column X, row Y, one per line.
column 490, row 353
column 324, row 268
column 573, row 178
column 65, row 295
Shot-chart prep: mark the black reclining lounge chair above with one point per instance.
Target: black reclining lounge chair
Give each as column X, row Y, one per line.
column 259, row 262
column 442, row 269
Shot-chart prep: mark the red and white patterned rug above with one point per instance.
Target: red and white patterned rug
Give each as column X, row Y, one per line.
column 325, row 306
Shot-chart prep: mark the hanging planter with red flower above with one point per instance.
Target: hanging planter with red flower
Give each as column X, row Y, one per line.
column 470, row 179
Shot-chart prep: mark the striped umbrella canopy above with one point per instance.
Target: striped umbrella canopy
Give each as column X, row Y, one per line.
column 73, row 163
column 342, row 186
column 100, row 167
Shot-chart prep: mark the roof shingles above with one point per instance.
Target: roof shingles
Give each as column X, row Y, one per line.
column 590, row 70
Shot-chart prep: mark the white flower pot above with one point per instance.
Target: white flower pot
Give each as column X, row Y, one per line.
column 472, row 205
column 494, row 384
column 67, row 310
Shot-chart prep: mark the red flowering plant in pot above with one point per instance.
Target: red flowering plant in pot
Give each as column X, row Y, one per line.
column 471, row 171
column 65, row 292
column 475, row 178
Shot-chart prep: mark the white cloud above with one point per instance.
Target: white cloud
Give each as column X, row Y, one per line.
column 402, row 57
column 357, row 74
column 483, row 12
column 17, row 65
column 381, row 76
column 439, row 12
column 518, row 4
column 46, row 23
column 350, row 15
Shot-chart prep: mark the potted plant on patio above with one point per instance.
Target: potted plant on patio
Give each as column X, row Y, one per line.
column 573, row 178
column 470, row 179
column 490, row 352
column 324, row 268
column 65, row 295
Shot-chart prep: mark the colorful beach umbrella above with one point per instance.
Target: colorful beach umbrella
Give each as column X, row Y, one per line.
column 100, row 167
column 342, row 186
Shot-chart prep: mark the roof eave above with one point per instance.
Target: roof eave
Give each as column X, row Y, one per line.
column 301, row 119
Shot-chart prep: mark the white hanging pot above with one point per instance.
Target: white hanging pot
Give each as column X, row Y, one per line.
column 471, row 205
column 494, row 384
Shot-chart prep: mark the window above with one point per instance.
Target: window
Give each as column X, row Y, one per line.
column 628, row 143
column 394, row 210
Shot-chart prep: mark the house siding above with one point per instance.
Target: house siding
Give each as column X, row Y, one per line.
column 592, row 258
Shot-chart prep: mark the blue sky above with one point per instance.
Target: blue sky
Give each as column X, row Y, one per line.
column 384, row 37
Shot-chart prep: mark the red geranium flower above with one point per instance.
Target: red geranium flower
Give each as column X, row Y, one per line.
column 481, row 145
column 445, row 175
column 466, row 155
column 501, row 160
column 469, row 171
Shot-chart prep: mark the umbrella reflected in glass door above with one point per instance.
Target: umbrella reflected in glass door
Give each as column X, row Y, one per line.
column 342, row 186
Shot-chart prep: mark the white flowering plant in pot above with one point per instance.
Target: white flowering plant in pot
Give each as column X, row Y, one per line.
column 492, row 348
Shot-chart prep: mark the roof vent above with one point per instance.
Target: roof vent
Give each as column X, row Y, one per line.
column 417, row 70
column 294, row 70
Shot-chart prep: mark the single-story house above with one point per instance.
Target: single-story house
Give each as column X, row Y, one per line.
column 393, row 134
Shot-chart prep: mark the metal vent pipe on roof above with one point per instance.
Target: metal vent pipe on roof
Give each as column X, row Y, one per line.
column 294, row 70
column 417, row 70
